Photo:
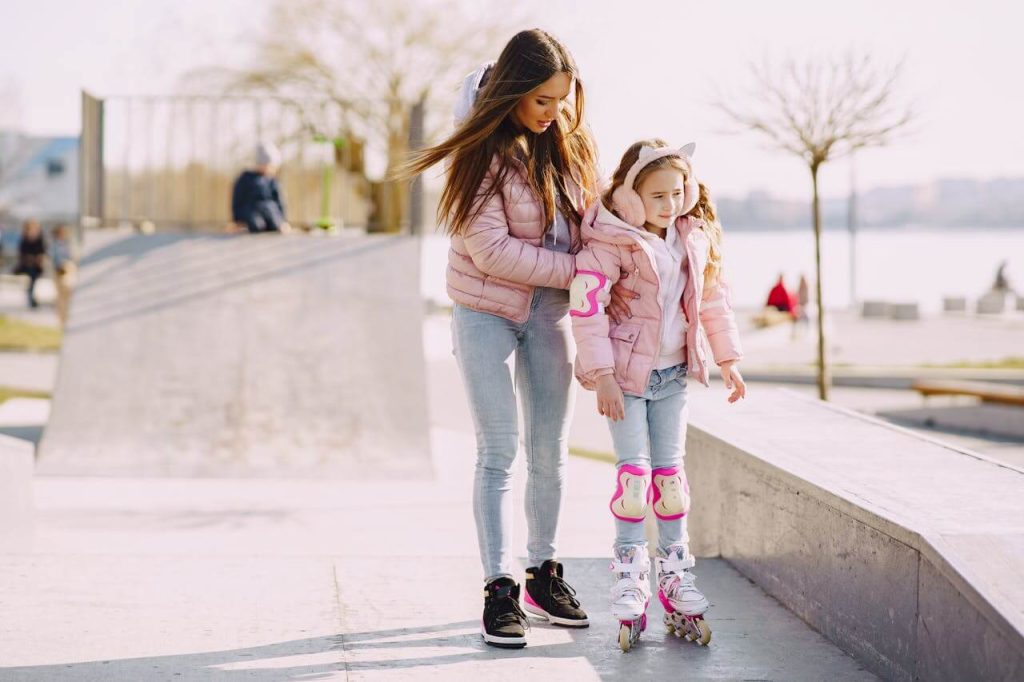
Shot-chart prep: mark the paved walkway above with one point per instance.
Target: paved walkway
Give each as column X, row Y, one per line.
column 219, row 579
column 855, row 341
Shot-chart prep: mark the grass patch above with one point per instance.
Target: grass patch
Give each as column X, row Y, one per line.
column 6, row 393
column 1005, row 363
column 16, row 335
column 593, row 454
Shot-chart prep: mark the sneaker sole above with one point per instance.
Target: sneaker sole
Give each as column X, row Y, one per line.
column 503, row 642
column 555, row 620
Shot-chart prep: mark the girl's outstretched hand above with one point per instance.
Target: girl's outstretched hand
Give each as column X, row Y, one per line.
column 609, row 398
column 733, row 381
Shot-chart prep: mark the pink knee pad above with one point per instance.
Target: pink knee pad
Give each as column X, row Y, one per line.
column 671, row 493
column 632, row 494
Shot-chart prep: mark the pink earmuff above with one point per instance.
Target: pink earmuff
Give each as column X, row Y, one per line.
column 627, row 203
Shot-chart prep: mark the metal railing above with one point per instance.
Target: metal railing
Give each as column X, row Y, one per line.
column 172, row 160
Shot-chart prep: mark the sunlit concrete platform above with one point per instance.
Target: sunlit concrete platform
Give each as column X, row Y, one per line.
column 255, row 579
column 904, row 550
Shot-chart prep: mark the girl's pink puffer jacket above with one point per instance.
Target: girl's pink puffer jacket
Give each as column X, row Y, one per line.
column 495, row 264
column 629, row 350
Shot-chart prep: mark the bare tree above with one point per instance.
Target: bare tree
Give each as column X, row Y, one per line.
column 375, row 60
column 822, row 110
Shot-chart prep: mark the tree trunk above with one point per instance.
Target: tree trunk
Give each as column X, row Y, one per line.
column 396, row 192
column 824, row 380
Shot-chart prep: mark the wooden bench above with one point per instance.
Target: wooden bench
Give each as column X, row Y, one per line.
column 988, row 392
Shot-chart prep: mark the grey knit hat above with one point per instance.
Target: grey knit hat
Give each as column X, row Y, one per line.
column 267, row 154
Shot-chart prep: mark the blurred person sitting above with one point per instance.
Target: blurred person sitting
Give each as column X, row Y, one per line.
column 256, row 203
column 65, row 270
column 780, row 307
column 782, row 299
column 31, row 257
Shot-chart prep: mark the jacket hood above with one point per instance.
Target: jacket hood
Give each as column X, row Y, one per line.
column 468, row 92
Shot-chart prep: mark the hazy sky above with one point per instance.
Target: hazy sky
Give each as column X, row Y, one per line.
column 650, row 69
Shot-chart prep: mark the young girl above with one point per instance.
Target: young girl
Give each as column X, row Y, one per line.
column 655, row 231
column 521, row 171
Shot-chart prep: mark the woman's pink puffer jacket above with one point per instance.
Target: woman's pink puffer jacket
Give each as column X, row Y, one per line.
column 495, row 264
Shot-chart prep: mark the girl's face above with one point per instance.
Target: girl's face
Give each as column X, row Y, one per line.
column 662, row 194
column 538, row 109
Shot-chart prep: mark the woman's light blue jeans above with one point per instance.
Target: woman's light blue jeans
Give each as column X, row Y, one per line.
column 652, row 436
column 484, row 346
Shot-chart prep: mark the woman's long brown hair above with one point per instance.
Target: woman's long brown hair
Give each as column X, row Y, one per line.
column 564, row 151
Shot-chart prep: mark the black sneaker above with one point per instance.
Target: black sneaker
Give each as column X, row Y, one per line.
column 548, row 596
column 504, row 623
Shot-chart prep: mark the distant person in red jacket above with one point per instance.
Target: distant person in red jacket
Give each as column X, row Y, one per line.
column 781, row 299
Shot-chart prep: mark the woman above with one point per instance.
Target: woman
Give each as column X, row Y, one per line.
column 521, row 171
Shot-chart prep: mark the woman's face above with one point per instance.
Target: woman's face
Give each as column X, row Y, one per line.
column 538, row 109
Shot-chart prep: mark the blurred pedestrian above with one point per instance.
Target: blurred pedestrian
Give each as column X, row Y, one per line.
column 65, row 270
column 1002, row 283
column 803, row 298
column 256, row 203
column 31, row 257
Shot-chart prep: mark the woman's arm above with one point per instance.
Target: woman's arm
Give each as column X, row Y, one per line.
column 497, row 253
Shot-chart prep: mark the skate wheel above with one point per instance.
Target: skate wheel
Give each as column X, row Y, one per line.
column 624, row 637
column 703, row 635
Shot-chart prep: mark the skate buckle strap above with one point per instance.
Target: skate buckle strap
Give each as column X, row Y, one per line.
column 626, row 587
column 632, row 569
column 677, row 565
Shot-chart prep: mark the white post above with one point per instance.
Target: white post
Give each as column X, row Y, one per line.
column 851, row 226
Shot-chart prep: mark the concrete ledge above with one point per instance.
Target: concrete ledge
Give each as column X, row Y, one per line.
column 903, row 551
column 894, row 377
column 17, row 461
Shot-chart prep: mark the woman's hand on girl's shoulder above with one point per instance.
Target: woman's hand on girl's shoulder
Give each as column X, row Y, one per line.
column 733, row 380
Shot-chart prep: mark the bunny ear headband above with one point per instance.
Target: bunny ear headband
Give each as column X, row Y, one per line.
column 627, row 203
